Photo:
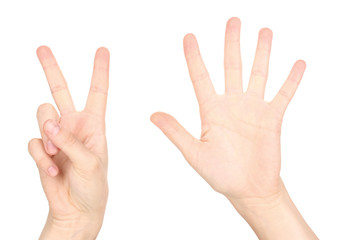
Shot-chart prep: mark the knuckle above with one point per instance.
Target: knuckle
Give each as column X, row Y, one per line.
column 259, row 73
column 47, row 66
column 176, row 129
column 57, row 88
column 253, row 93
column 284, row 94
column 200, row 77
column 70, row 140
column 94, row 164
column 40, row 161
column 233, row 66
column 97, row 89
column 204, row 102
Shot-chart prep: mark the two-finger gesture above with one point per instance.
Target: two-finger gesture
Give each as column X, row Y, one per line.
column 72, row 154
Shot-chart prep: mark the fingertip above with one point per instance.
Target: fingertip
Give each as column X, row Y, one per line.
column 190, row 45
column 297, row 71
column 44, row 108
column 101, row 61
column 301, row 63
column 266, row 33
column 189, row 39
column 161, row 119
column 53, row 171
column 103, row 51
column 46, row 57
column 155, row 117
column 234, row 22
column 50, row 148
column 43, row 51
column 189, row 36
column 51, row 127
column 31, row 144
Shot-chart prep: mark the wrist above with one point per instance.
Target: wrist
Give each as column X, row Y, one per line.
column 274, row 216
column 261, row 205
column 76, row 228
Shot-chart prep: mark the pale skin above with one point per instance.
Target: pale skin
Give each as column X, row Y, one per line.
column 238, row 152
column 72, row 154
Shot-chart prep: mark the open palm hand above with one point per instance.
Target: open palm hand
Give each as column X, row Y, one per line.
column 238, row 152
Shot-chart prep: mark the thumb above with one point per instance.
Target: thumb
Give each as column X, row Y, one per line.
column 78, row 154
column 180, row 137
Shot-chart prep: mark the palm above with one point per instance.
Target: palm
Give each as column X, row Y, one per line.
column 89, row 129
column 238, row 153
column 239, row 144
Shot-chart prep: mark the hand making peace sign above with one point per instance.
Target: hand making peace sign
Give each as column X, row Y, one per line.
column 72, row 154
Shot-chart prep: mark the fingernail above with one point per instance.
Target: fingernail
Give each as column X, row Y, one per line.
column 51, row 147
column 52, row 171
column 52, row 127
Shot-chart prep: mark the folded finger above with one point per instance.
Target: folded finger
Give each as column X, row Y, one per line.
column 45, row 112
column 42, row 159
column 76, row 151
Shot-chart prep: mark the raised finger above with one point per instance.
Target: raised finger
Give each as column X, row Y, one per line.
column 257, row 81
column 97, row 97
column 232, row 57
column 287, row 91
column 197, row 70
column 55, row 78
column 178, row 135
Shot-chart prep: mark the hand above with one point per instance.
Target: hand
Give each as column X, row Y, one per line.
column 72, row 154
column 238, row 152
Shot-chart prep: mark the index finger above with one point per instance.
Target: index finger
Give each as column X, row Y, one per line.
column 57, row 83
column 197, row 70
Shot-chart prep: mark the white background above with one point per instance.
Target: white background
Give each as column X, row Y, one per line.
column 154, row 193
